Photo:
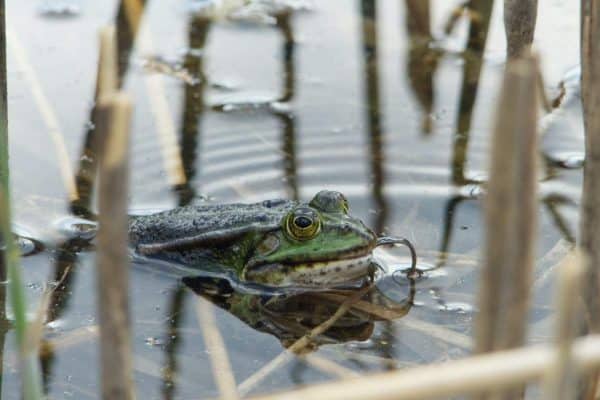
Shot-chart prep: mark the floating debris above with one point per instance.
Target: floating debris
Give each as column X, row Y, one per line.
column 253, row 11
column 175, row 69
column 59, row 9
column 457, row 307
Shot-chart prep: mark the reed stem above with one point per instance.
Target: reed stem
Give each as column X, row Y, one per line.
column 489, row 372
column 590, row 213
column 510, row 213
column 112, row 257
column 9, row 265
column 519, row 23
column 114, row 115
column 562, row 377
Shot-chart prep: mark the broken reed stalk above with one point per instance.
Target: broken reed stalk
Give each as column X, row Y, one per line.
column 9, row 265
column 213, row 340
column 510, row 213
column 107, row 81
column 112, row 257
column 519, row 24
column 114, row 115
column 561, row 379
column 487, row 372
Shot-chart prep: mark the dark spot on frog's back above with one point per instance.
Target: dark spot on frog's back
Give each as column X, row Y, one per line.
column 262, row 218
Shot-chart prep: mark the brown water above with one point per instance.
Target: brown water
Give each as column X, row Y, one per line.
column 352, row 96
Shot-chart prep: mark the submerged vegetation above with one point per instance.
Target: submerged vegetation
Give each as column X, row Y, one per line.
column 504, row 300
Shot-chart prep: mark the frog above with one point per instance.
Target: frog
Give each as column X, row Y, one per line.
column 277, row 243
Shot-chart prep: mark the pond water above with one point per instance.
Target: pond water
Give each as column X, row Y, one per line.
column 364, row 97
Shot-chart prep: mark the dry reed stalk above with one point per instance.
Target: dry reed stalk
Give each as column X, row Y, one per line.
column 561, row 379
column 112, row 259
column 299, row 345
column 107, row 80
column 510, row 213
column 222, row 372
column 48, row 114
column 133, row 11
column 590, row 213
column 114, row 113
column 493, row 371
column 519, row 23
column 419, row 11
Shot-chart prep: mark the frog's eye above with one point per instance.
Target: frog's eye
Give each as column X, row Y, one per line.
column 303, row 223
column 330, row 201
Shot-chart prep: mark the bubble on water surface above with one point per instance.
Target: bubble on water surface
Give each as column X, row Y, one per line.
column 154, row 341
column 78, row 228
column 28, row 246
column 568, row 159
column 25, row 243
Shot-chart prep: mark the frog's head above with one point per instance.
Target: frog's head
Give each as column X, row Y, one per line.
column 316, row 244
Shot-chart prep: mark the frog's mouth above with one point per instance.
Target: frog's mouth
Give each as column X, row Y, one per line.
column 325, row 273
column 311, row 274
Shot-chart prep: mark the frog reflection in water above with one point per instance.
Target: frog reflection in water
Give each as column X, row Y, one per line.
column 277, row 243
column 292, row 316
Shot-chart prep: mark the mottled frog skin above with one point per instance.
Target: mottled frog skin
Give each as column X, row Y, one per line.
column 275, row 242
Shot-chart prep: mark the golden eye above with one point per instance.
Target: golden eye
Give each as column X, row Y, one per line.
column 303, row 223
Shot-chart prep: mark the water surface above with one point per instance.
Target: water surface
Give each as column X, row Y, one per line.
column 352, row 96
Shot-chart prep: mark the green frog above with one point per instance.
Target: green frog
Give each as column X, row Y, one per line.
column 279, row 243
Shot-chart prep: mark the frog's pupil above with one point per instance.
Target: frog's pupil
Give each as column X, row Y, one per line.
column 302, row 222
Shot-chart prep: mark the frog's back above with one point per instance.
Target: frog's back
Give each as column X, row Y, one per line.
column 194, row 220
